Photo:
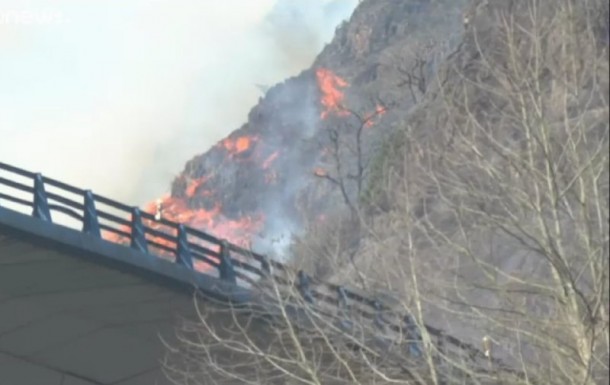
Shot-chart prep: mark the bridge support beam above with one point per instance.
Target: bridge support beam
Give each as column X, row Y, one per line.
column 41, row 202
column 91, row 224
column 138, row 235
column 227, row 272
column 183, row 253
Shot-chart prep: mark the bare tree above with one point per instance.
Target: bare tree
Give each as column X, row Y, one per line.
column 336, row 241
column 415, row 71
column 291, row 337
column 503, row 209
column 497, row 233
column 349, row 160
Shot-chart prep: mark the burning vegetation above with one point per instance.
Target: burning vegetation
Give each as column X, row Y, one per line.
column 332, row 97
column 228, row 190
column 238, row 145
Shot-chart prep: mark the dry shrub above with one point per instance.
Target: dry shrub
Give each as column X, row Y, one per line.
column 327, row 246
column 494, row 224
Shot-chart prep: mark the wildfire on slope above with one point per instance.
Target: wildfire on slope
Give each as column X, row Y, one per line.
column 238, row 145
column 238, row 231
column 332, row 101
column 192, row 188
column 372, row 117
column 332, row 97
column 211, row 219
column 197, row 201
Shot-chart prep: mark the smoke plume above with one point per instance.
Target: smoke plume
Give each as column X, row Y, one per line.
column 116, row 96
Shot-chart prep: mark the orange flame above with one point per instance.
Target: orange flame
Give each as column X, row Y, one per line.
column 370, row 118
column 332, row 96
column 238, row 145
column 212, row 219
column 238, row 231
column 192, row 188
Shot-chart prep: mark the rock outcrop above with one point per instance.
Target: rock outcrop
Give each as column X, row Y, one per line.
column 268, row 177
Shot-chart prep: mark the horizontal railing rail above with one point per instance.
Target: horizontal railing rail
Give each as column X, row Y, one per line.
column 194, row 249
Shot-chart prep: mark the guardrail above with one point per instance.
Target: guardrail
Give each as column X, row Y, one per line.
column 193, row 248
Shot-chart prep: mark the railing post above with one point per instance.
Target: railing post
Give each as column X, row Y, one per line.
column 138, row 235
column 41, row 203
column 413, row 336
column 227, row 272
column 91, row 224
column 183, row 252
column 304, row 286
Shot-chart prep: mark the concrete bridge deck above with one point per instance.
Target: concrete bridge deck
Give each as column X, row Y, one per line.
column 70, row 317
column 66, row 320
column 78, row 309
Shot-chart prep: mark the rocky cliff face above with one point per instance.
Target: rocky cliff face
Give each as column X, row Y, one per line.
column 457, row 197
column 270, row 176
column 464, row 233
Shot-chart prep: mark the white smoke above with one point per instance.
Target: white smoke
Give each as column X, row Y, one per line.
column 116, row 96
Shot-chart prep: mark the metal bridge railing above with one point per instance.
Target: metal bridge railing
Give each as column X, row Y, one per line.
column 231, row 263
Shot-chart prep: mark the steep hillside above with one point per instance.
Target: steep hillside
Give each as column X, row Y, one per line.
column 488, row 211
column 483, row 206
column 274, row 174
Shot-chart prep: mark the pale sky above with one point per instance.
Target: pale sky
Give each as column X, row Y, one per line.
column 116, row 95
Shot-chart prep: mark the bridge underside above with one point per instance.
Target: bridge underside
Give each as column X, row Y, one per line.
column 68, row 321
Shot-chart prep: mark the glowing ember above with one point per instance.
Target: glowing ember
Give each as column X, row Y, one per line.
column 332, row 97
column 370, row 118
column 238, row 145
column 320, row 172
column 270, row 160
column 191, row 189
